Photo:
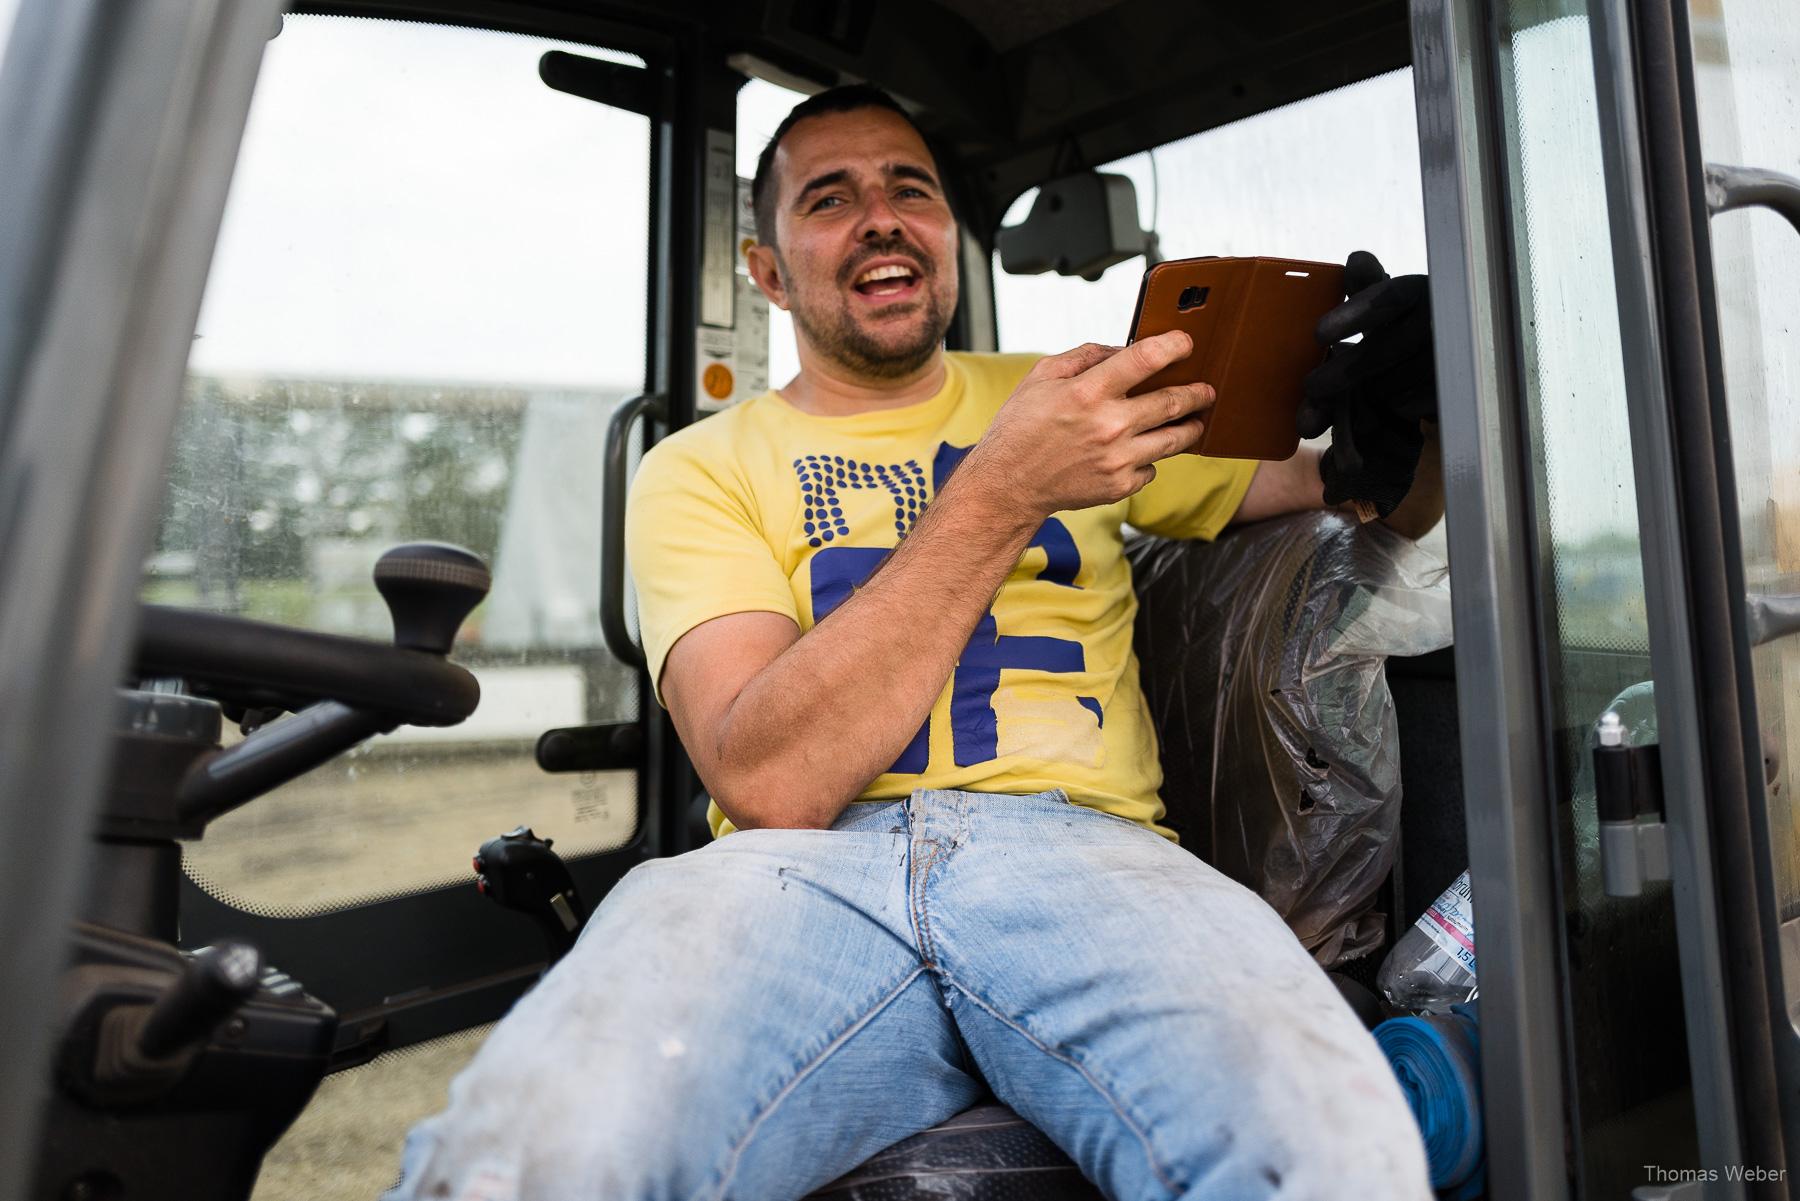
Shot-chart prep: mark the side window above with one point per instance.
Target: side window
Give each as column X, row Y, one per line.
column 428, row 294
column 1314, row 180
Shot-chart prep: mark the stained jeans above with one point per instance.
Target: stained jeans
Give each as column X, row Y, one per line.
column 754, row 1018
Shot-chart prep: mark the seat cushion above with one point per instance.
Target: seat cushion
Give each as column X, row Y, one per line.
column 988, row 1153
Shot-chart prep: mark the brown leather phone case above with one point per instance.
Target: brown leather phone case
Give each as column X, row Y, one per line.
column 1252, row 322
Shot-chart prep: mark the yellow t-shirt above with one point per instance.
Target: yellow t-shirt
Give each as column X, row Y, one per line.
column 765, row 508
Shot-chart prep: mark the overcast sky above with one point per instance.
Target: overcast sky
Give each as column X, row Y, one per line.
column 412, row 202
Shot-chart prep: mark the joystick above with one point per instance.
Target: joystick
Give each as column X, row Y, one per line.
column 430, row 587
column 519, row 871
column 215, row 982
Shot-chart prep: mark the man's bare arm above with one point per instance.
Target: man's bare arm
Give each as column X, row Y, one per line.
column 787, row 729
column 817, row 717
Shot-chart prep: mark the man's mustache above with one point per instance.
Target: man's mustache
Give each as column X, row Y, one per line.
column 891, row 246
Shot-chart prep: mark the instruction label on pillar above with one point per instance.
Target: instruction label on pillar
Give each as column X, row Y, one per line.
column 1450, row 922
column 734, row 363
column 718, row 243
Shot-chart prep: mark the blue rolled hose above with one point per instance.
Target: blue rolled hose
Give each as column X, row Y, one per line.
column 1438, row 1062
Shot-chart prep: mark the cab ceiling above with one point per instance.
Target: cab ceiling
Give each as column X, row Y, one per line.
column 1013, row 92
column 1020, row 91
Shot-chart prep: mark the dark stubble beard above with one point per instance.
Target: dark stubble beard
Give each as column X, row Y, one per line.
column 835, row 333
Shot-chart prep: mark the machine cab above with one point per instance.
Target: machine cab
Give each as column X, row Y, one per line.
column 333, row 336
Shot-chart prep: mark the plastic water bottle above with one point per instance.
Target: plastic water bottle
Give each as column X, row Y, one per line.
column 1432, row 967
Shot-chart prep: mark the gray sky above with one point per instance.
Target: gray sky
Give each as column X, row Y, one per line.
column 412, row 202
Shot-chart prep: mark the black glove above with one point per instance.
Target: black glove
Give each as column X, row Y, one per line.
column 1372, row 394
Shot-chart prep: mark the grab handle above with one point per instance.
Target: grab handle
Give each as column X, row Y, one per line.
column 614, row 486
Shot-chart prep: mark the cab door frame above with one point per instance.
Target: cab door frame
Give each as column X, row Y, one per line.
column 1742, row 1063
column 119, row 126
column 1723, row 899
column 1502, row 694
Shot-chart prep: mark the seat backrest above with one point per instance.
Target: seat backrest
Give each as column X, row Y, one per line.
column 1261, row 658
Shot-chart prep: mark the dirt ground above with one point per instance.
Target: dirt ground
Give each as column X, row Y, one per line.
column 346, row 1145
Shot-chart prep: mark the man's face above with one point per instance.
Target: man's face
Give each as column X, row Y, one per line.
column 866, row 246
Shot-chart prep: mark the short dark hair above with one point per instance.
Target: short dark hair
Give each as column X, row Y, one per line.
column 845, row 99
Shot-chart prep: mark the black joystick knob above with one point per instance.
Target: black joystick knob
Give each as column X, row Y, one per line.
column 215, row 982
column 429, row 588
column 520, row 871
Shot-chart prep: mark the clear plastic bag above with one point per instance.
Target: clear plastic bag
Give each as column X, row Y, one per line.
column 1261, row 657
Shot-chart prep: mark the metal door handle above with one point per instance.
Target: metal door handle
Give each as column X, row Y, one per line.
column 614, row 481
column 1771, row 617
column 1730, row 188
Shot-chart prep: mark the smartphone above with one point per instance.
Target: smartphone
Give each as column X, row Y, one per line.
column 1252, row 322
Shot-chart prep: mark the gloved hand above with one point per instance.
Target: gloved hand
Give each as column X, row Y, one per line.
column 1372, row 394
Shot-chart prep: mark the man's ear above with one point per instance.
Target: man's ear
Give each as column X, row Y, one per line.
column 765, row 269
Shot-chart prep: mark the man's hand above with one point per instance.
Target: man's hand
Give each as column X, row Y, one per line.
column 1373, row 394
column 1083, row 439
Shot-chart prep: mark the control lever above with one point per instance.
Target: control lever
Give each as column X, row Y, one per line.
column 429, row 588
column 521, row 872
column 137, row 1050
column 216, row 981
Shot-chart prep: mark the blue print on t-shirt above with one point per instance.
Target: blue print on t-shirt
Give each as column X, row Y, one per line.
column 822, row 475
column 1062, row 561
column 977, row 678
column 837, row 570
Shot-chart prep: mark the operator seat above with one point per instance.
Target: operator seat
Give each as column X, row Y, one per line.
column 987, row 1153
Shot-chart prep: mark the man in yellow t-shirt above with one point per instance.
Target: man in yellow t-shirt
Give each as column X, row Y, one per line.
column 887, row 609
column 771, row 510
column 993, row 613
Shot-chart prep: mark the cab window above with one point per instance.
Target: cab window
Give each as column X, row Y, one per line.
column 1315, row 179
column 427, row 296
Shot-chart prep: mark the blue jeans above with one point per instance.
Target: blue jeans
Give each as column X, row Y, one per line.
column 755, row 1018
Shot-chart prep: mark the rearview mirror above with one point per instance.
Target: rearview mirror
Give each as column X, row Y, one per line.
column 1079, row 225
